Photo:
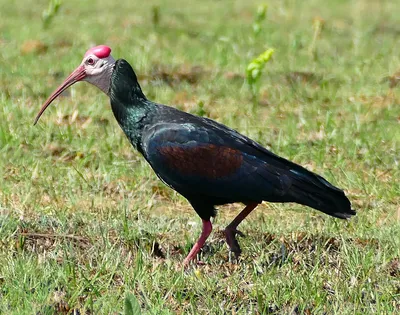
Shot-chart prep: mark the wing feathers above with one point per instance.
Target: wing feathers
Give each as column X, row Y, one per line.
column 204, row 160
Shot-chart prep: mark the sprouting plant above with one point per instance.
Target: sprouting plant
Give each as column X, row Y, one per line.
column 318, row 24
column 155, row 15
column 132, row 306
column 259, row 18
column 51, row 12
column 254, row 70
column 200, row 110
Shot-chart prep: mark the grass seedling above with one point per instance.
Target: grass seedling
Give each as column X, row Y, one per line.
column 254, row 71
column 317, row 26
column 260, row 16
column 51, row 12
column 132, row 306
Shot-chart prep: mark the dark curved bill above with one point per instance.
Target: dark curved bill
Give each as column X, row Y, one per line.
column 77, row 75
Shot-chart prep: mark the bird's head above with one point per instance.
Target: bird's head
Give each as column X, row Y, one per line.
column 96, row 68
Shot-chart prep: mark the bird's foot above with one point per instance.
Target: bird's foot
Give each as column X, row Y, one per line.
column 188, row 267
column 193, row 262
column 207, row 228
column 230, row 236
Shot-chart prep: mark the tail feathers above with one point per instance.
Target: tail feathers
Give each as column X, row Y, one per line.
column 314, row 191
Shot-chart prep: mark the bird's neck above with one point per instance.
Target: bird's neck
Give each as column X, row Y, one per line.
column 129, row 105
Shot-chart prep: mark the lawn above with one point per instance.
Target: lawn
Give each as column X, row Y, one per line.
column 83, row 219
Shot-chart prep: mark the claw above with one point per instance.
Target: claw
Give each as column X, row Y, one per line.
column 207, row 228
column 230, row 236
column 231, row 231
column 192, row 264
column 239, row 233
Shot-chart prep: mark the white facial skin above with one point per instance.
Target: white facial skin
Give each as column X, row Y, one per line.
column 98, row 71
column 93, row 69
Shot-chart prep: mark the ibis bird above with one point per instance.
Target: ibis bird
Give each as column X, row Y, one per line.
column 204, row 161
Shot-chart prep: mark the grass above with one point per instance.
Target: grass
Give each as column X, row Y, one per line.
column 83, row 219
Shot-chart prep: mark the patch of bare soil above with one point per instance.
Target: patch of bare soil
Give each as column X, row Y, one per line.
column 175, row 76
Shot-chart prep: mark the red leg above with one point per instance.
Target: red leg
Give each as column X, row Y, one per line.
column 207, row 228
column 231, row 231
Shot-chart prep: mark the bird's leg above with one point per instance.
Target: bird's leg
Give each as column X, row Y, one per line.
column 206, row 231
column 231, row 229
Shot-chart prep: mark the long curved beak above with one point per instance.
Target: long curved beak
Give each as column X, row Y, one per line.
column 77, row 75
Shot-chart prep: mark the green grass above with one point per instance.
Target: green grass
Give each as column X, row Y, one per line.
column 83, row 219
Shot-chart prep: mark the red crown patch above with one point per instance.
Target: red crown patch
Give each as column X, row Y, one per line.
column 101, row 51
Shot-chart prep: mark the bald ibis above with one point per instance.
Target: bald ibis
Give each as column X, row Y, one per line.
column 206, row 162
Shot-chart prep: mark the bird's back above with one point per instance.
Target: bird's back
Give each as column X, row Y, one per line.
column 209, row 162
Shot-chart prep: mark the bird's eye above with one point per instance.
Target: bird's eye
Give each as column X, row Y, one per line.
column 90, row 61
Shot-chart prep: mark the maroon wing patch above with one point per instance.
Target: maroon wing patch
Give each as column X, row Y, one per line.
column 205, row 160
